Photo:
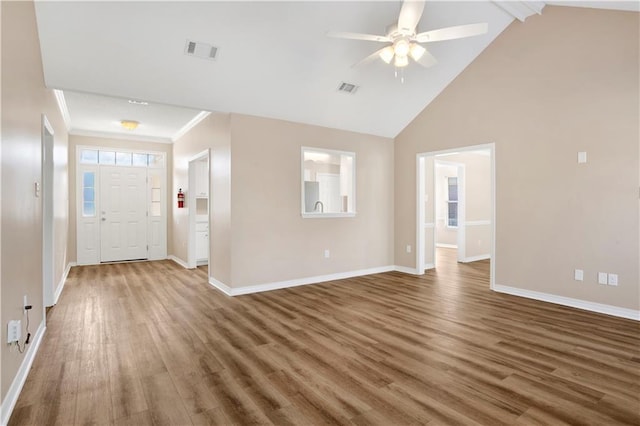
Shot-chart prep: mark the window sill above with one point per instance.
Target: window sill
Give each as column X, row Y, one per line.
column 326, row 215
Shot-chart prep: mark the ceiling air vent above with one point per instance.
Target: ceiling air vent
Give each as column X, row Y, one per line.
column 348, row 88
column 200, row 50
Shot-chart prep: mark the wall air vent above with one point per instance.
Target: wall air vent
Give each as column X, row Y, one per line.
column 348, row 88
column 200, row 50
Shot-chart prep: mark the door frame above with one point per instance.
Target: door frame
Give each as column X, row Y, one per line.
column 82, row 258
column 48, row 229
column 420, row 208
column 192, row 260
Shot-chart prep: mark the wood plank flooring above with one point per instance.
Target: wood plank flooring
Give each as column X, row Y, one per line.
column 152, row 343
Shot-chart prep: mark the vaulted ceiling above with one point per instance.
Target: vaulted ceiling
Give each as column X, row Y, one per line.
column 273, row 60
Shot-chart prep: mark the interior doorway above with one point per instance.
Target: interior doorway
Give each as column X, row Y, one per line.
column 47, row 214
column 456, row 206
column 198, row 199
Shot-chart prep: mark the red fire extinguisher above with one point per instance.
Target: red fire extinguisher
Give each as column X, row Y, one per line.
column 180, row 199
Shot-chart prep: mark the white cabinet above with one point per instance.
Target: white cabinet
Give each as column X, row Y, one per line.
column 202, row 178
column 202, row 241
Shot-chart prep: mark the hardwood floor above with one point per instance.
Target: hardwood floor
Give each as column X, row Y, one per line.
column 152, row 343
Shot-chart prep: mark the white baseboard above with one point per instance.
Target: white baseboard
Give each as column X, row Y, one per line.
column 237, row 291
column 568, row 301
column 429, row 266
column 221, row 286
column 13, row 393
column 62, row 282
column 178, row 261
column 443, row 245
column 406, row 270
column 476, row 258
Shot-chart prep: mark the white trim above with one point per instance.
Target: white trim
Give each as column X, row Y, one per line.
column 312, row 215
column 492, row 266
column 190, row 125
column 47, row 196
column 178, row 261
column 477, row 222
column 408, row 270
column 444, row 245
column 428, row 266
column 429, row 225
column 221, row 286
column 476, row 258
column 237, row 291
column 62, row 106
column 114, row 135
column 568, row 301
column 62, row 282
column 13, row 393
column 421, row 223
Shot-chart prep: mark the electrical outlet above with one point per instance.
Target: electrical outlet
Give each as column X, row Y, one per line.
column 578, row 275
column 408, row 248
column 612, row 279
column 327, row 254
column 602, row 278
column 14, row 330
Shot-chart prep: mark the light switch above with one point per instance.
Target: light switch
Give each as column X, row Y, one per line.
column 408, row 248
column 602, row 278
column 613, row 279
column 582, row 157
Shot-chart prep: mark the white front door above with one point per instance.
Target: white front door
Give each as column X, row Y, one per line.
column 123, row 213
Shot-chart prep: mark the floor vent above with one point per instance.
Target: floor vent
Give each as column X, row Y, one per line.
column 348, row 88
column 200, row 50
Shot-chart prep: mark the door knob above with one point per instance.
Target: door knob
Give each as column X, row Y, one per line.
column 103, row 219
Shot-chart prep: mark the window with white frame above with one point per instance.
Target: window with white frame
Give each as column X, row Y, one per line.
column 452, row 202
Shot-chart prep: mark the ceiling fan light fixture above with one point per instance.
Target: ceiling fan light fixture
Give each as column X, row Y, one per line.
column 416, row 51
column 386, row 54
column 129, row 124
column 401, row 61
column 401, row 47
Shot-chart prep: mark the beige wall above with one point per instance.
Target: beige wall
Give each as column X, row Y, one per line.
column 271, row 242
column 211, row 133
column 24, row 99
column 77, row 140
column 542, row 91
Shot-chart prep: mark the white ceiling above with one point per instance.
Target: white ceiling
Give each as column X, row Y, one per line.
column 274, row 59
column 97, row 114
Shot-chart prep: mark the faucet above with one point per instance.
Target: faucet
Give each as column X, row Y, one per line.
column 315, row 206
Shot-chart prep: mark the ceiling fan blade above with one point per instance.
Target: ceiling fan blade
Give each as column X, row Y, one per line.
column 375, row 55
column 452, row 33
column 358, row 36
column 410, row 15
column 427, row 60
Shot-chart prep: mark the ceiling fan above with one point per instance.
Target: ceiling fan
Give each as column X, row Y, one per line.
column 404, row 43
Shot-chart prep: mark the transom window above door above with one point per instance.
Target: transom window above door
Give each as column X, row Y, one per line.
column 121, row 158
